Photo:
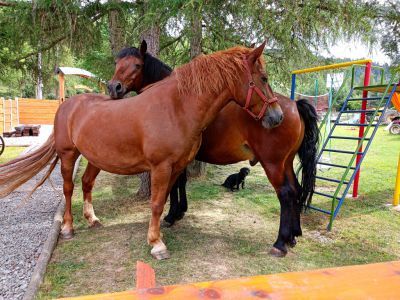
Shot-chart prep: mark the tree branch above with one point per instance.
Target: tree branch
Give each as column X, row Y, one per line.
column 2, row 3
column 44, row 48
column 166, row 45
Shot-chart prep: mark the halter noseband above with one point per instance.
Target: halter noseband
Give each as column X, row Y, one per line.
column 250, row 91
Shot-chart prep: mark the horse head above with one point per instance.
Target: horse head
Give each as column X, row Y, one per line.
column 128, row 74
column 261, row 103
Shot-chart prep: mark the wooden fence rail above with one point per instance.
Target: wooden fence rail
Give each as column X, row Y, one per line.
column 26, row 111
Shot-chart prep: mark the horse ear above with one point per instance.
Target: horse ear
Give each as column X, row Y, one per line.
column 256, row 53
column 143, row 48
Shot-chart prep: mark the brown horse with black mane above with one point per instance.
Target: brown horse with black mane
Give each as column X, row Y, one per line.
column 157, row 131
column 234, row 136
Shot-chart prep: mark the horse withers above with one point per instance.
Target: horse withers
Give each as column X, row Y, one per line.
column 234, row 136
column 165, row 121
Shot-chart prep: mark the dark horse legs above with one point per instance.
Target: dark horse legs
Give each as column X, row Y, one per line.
column 288, row 190
column 289, row 227
column 178, row 200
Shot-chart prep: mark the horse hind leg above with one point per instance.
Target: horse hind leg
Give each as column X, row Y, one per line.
column 67, row 168
column 286, row 193
column 183, row 206
column 178, row 201
column 88, row 180
column 170, row 218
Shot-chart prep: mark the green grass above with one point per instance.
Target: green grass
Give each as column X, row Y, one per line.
column 10, row 153
column 224, row 235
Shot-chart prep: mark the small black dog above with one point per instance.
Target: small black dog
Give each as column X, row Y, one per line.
column 233, row 181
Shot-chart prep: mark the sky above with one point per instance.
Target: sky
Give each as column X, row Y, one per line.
column 357, row 50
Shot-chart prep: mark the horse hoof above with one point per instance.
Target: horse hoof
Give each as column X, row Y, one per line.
column 95, row 224
column 292, row 243
column 166, row 224
column 179, row 216
column 67, row 235
column 160, row 255
column 277, row 253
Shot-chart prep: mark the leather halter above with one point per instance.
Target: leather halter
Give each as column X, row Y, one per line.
column 250, row 91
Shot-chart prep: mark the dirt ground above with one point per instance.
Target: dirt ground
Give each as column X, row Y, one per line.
column 223, row 235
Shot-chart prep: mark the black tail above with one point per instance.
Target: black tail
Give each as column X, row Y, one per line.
column 308, row 150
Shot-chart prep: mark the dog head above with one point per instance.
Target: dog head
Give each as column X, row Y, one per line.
column 244, row 172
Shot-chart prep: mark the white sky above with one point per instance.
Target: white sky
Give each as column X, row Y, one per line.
column 357, row 50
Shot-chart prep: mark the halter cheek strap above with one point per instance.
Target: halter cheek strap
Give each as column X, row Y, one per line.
column 253, row 88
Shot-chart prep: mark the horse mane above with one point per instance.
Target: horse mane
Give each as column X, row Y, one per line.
column 213, row 72
column 154, row 69
column 129, row 51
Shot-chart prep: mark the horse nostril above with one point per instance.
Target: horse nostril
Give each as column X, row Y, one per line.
column 118, row 87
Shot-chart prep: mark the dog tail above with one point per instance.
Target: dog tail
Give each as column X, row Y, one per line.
column 308, row 150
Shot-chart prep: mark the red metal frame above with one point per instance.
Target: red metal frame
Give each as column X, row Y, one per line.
column 362, row 121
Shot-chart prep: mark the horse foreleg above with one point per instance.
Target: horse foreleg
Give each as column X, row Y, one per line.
column 67, row 169
column 88, row 180
column 160, row 184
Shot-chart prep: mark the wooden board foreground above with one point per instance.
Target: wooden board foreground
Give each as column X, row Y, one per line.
column 374, row 281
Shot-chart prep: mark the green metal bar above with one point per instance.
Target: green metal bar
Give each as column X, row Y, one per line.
column 355, row 153
column 382, row 71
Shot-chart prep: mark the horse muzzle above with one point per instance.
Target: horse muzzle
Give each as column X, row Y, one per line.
column 273, row 117
column 116, row 89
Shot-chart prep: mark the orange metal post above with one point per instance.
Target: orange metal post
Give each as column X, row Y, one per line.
column 145, row 276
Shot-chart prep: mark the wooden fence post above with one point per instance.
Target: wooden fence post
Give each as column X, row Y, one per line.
column 11, row 114
column 3, row 124
column 17, row 106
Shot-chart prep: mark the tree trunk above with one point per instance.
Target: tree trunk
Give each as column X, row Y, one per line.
column 152, row 37
column 39, row 79
column 115, row 25
column 196, row 168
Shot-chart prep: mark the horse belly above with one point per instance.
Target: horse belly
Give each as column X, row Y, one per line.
column 222, row 149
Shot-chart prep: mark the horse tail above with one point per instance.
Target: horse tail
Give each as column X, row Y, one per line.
column 308, row 150
column 18, row 171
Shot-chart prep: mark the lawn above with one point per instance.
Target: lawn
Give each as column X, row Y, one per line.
column 10, row 153
column 223, row 235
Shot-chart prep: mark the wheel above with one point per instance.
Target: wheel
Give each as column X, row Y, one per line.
column 2, row 145
column 388, row 117
column 395, row 129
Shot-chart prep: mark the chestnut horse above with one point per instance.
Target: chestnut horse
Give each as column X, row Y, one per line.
column 157, row 131
column 234, row 136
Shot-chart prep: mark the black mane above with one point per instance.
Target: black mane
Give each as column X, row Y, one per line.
column 130, row 51
column 154, row 69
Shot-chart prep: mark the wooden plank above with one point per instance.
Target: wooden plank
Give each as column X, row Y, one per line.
column 374, row 281
column 145, row 276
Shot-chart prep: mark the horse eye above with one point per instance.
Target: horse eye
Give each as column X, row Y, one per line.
column 264, row 79
column 138, row 66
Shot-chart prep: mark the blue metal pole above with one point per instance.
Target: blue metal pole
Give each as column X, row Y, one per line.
column 293, row 86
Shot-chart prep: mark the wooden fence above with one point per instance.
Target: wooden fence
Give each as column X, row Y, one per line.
column 26, row 111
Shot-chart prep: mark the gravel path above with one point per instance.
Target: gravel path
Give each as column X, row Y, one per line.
column 24, row 227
